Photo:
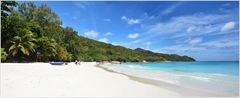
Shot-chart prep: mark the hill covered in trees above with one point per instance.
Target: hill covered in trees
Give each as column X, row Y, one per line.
column 31, row 33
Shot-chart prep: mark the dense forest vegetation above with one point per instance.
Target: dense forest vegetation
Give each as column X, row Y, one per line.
column 30, row 33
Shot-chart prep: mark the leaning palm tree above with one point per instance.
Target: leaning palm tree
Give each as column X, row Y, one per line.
column 22, row 43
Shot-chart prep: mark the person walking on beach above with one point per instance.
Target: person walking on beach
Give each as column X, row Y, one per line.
column 79, row 62
column 76, row 62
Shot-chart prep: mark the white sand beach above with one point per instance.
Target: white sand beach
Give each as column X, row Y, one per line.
column 86, row 80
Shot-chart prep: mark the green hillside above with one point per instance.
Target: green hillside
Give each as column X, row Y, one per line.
column 31, row 33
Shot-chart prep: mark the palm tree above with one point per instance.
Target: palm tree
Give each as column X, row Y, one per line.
column 48, row 46
column 6, row 7
column 22, row 43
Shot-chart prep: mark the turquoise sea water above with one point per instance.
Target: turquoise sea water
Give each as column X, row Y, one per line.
column 220, row 67
column 219, row 77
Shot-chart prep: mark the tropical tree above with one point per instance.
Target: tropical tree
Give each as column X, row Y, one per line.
column 11, row 21
column 3, row 54
column 6, row 8
column 23, row 43
column 28, row 10
column 62, row 54
column 48, row 46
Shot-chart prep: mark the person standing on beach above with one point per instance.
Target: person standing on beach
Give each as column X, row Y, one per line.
column 76, row 62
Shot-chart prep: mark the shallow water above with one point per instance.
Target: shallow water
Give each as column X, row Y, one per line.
column 217, row 77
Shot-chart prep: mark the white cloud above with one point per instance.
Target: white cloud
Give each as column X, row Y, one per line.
column 179, row 49
column 107, row 20
column 81, row 4
column 190, row 29
column 91, row 33
column 187, row 26
column 205, row 51
column 220, row 46
column 197, row 31
column 228, row 26
column 220, row 43
column 124, row 18
column 200, row 45
column 133, row 21
column 194, row 41
column 226, row 4
column 135, row 35
column 130, row 21
column 105, row 40
column 190, row 41
column 108, row 33
column 171, row 8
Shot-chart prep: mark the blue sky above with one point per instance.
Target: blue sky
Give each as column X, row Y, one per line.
column 203, row 30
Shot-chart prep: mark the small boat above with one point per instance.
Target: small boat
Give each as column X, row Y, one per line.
column 57, row 63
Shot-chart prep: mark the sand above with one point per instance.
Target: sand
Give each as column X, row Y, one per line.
column 86, row 80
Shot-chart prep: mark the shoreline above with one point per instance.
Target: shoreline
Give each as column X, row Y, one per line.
column 191, row 92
